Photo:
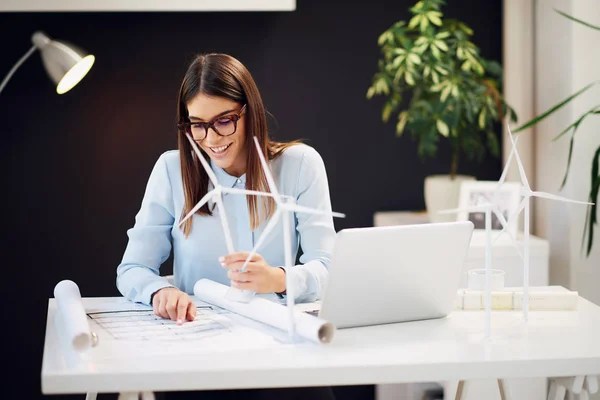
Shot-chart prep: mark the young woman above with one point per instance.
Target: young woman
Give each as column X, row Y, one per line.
column 220, row 106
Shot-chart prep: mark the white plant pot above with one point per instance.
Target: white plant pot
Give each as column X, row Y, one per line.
column 441, row 193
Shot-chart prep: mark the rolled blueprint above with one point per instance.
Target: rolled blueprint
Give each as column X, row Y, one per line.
column 265, row 311
column 74, row 318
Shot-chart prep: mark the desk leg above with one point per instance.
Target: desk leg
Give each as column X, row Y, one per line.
column 504, row 392
column 91, row 396
column 573, row 383
column 147, row 396
column 460, row 389
column 591, row 384
column 557, row 392
column 129, row 396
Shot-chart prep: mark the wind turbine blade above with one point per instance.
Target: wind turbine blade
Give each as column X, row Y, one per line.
column 287, row 248
column 549, row 196
column 519, row 163
column 207, row 168
column 246, row 192
column 225, row 225
column 266, row 169
column 504, row 224
column 268, row 228
column 302, row 209
column 507, row 165
column 197, row 206
column 513, row 217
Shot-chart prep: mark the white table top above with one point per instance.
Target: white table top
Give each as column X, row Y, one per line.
column 552, row 343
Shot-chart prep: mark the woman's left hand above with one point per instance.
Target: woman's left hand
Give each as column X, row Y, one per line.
column 259, row 276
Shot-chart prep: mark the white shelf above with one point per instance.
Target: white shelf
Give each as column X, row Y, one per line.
column 504, row 254
column 147, row 5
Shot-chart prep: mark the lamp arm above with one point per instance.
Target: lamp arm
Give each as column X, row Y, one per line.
column 17, row 65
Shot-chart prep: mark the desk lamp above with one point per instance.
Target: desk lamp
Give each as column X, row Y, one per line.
column 66, row 64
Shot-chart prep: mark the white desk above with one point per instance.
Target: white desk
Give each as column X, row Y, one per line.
column 450, row 349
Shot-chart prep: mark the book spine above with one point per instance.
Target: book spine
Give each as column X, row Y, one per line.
column 506, row 300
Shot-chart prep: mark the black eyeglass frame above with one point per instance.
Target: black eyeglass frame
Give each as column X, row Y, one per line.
column 186, row 126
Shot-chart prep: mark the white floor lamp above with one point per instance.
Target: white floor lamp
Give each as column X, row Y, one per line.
column 66, row 64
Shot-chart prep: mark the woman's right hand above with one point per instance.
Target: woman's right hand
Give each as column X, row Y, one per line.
column 172, row 303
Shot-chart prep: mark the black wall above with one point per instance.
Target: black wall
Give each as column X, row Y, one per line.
column 75, row 166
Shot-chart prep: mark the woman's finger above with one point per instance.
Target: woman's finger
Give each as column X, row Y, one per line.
column 240, row 256
column 191, row 311
column 239, row 276
column 162, row 306
column 182, row 307
column 171, row 306
column 243, row 285
column 251, row 267
column 156, row 303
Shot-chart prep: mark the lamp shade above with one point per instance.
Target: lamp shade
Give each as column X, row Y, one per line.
column 65, row 63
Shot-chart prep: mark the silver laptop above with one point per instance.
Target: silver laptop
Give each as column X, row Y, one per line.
column 394, row 274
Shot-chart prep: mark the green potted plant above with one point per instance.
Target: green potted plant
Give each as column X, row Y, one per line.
column 439, row 87
column 592, row 214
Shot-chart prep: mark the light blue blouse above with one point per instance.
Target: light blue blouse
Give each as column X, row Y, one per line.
column 299, row 172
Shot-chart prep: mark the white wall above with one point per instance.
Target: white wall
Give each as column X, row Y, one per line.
column 553, row 71
column 585, row 277
column 567, row 58
column 560, row 57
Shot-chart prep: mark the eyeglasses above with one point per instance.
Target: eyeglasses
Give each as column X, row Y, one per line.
column 223, row 125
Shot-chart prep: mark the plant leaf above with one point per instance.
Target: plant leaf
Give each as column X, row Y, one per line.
column 414, row 21
column 571, row 142
column 575, row 124
column 424, row 23
column 370, row 92
column 513, row 115
column 402, row 120
column 482, row 118
column 414, row 58
column 434, row 19
column 577, row 20
column 442, row 128
column 441, row 45
column 590, row 219
column 445, row 93
column 441, row 70
column 387, row 110
column 455, row 91
column 385, row 37
column 398, row 75
column 551, row 110
column 465, row 28
column 435, row 51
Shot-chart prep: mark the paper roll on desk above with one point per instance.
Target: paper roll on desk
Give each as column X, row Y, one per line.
column 267, row 312
column 73, row 316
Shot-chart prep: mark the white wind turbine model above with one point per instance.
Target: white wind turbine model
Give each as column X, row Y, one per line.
column 284, row 206
column 216, row 194
column 488, row 207
column 527, row 194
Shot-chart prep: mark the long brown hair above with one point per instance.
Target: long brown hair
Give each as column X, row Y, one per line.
column 221, row 75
